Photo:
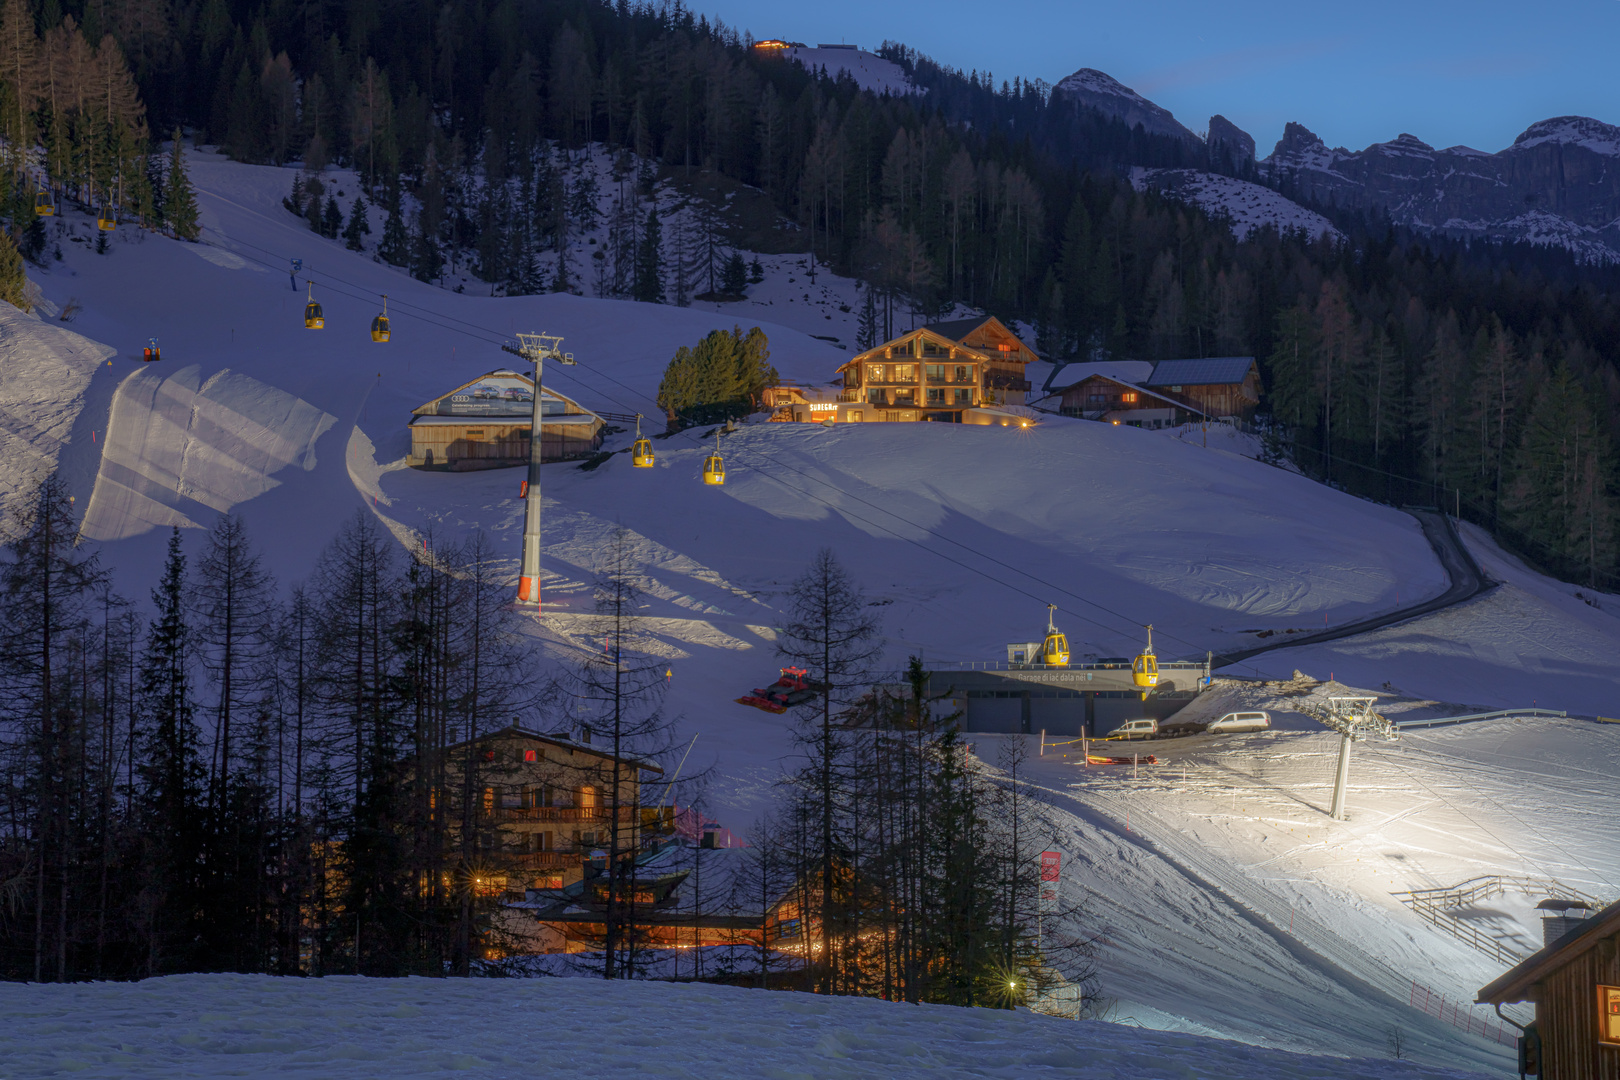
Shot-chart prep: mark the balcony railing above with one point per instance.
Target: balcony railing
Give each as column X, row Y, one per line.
column 651, row 817
column 544, row 860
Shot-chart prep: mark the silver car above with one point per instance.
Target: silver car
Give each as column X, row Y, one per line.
column 1241, row 721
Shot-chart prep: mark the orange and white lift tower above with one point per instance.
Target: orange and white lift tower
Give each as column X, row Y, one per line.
column 539, row 348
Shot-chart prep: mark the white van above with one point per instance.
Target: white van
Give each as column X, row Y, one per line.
column 1241, row 721
column 1135, row 729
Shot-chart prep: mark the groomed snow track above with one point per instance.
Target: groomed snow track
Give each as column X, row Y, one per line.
column 1462, row 570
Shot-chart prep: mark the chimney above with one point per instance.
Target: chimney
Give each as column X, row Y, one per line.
column 1562, row 917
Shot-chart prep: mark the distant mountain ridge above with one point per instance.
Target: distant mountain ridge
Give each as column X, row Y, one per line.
column 1558, row 185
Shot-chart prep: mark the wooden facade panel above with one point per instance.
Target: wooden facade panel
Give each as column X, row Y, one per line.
column 1567, row 1017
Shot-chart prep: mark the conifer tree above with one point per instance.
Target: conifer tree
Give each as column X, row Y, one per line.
column 395, row 249
column 828, row 633
column 45, row 588
column 13, row 278
column 649, row 283
column 172, row 776
column 866, row 330
column 734, row 278
column 358, row 226
column 331, row 218
column 179, row 201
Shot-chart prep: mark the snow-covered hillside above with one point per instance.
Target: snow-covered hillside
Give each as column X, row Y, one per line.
column 1245, row 205
column 193, row 1026
column 961, row 534
column 870, row 71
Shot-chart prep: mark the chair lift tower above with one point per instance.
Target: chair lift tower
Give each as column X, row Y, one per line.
column 537, row 348
column 1354, row 719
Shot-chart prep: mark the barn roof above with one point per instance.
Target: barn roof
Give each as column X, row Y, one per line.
column 1518, row 983
column 1213, row 371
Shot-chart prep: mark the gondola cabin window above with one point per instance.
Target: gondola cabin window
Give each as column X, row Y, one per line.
column 1609, row 1015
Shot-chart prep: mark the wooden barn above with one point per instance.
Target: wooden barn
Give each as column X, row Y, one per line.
column 486, row 424
column 1574, row 982
column 1217, row 386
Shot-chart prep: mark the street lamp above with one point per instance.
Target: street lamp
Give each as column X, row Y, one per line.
column 535, row 347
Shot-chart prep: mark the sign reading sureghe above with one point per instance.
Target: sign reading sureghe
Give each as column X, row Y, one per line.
column 831, row 406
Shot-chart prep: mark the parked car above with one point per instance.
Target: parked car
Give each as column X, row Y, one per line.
column 1135, row 729
column 1241, row 721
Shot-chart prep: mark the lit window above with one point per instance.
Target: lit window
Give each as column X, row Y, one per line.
column 1128, row 397
column 531, row 755
column 1609, row 1014
column 875, row 372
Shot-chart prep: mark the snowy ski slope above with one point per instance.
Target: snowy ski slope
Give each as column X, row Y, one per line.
column 961, row 534
column 193, row 1026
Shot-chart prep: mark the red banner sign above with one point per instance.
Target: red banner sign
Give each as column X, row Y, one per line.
column 1051, row 864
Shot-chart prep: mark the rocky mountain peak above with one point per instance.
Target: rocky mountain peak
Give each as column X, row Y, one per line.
column 1227, row 137
column 1298, row 139
column 1581, row 131
column 1093, row 89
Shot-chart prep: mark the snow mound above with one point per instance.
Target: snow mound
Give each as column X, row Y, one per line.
column 45, row 370
column 1247, row 206
column 194, row 1026
column 177, row 447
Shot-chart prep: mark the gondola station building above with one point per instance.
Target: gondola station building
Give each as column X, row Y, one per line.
column 961, row 372
column 486, row 424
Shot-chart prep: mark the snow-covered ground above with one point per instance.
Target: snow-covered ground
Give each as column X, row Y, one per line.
column 870, row 71
column 1245, row 205
column 187, row 1026
column 962, row 536
column 1231, row 904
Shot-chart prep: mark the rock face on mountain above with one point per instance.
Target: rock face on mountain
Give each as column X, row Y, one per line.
column 1558, row 184
column 1227, row 138
column 1093, row 89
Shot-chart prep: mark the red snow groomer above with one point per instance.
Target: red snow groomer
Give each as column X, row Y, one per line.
column 790, row 690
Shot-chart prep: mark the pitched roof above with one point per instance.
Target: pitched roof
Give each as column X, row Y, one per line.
column 562, row 741
column 921, row 331
column 1212, row 371
column 1518, row 983
column 500, row 406
column 1183, row 406
column 957, row 329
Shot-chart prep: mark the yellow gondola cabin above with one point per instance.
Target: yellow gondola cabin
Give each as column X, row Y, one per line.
column 1145, row 668
column 1055, row 647
column 641, row 452
column 313, row 318
column 714, row 469
column 379, row 325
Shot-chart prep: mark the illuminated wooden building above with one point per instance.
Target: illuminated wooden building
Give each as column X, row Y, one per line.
column 486, row 424
column 1574, row 981
column 959, row 372
column 541, row 804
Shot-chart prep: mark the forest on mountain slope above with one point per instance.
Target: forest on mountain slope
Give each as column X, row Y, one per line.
column 1398, row 367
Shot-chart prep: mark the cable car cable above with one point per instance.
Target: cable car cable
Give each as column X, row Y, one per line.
column 481, row 333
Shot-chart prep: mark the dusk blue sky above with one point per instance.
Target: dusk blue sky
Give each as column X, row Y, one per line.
column 1450, row 73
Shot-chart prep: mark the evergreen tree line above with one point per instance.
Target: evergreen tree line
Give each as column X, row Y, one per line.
column 914, row 867
column 722, row 376
column 237, row 777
